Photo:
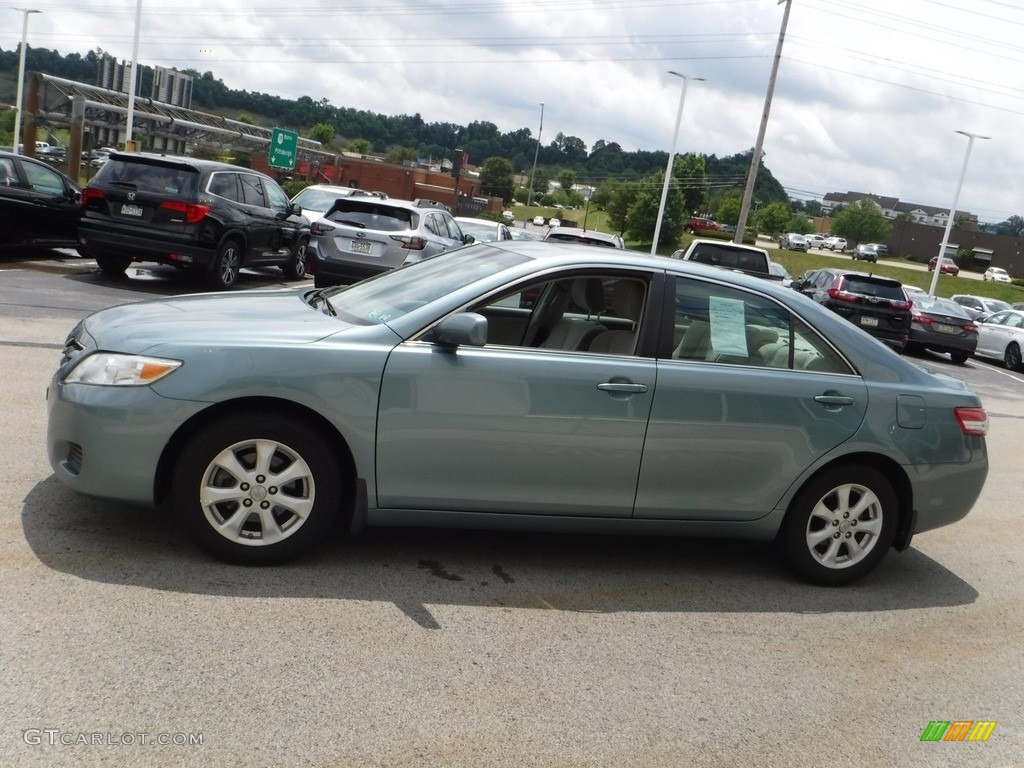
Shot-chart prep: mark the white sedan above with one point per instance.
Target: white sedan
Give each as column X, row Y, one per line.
column 996, row 275
column 1002, row 336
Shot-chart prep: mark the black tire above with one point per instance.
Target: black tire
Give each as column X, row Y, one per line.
column 113, row 265
column 1012, row 358
column 223, row 273
column 295, row 267
column 254, row 521
column 840, row 525
column 958, row 357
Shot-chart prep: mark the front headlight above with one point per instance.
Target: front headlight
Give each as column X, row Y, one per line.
column 111, row 369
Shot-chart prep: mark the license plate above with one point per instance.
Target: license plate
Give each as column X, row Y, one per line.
column 870, row 322
column 131, row 210
column 943, row 328
column 360, row 246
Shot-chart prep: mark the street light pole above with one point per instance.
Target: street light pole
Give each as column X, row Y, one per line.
column 21, row 75
column 533, row 173
column 952, row 211
column 129, row 142
column 755, row 161
column 671, row 159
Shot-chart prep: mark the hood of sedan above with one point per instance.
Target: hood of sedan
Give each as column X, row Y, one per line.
column 268, row 317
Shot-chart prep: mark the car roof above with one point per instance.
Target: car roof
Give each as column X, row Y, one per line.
column 862, row 275
column 471, row 220
column 556, row 233
column 197, row 164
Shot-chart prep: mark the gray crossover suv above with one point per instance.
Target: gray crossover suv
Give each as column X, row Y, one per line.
column 359, row 237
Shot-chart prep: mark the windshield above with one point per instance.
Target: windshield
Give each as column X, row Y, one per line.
column 392, row 294
column 485, row 233
column 319, row 199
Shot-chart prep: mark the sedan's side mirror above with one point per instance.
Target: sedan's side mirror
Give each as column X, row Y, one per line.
column 467, row 239
column 465, row 328
column 295, row 209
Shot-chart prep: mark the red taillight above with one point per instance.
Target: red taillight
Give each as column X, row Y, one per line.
column 412, row 243
column 89, row 194
column 840, row 295
column 969, row 328
column 193, row 213
column 922, row 319
column 319, row 228
column 902, row 306
column 973, row 421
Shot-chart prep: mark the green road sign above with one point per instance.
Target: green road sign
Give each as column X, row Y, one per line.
column 284, row 149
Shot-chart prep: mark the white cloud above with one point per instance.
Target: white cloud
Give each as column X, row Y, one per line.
column 869, row 95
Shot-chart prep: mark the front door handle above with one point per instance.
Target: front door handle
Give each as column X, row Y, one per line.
column 622, row 386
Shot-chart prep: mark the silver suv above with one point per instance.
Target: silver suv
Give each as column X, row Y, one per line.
column 359, row 237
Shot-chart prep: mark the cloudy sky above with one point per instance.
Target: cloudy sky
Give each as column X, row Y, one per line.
column 869, row 94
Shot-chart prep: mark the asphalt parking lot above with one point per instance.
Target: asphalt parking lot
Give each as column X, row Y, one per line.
column 125, row 646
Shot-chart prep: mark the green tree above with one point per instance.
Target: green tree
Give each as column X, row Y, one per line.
column 729, row 210
column 322, row 132
column 772, row 218
column 861, row 222
column 497, row 178
column 398, row 155
column 1013, row 226
column 566, row 179
column 799, row 223
column 689, row 172
column 619, row 203
column 643, row 213
column 360, row 146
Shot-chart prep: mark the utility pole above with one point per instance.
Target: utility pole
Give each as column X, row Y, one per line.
column 755, row 161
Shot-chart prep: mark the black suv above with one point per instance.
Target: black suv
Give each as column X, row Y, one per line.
column 200, row 215
column 876, row 304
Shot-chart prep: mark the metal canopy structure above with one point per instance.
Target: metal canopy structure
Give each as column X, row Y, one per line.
column 167, row 127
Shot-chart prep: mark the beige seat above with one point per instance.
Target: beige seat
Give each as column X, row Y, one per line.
column 576, row 333
column 628, row 303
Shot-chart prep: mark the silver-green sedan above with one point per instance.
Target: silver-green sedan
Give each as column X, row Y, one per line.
column 519, row 385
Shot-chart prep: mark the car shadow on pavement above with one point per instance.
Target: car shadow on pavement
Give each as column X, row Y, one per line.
column 415, row 568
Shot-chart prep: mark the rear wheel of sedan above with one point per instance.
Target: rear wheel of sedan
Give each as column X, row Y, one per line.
column 113, row 265
column 1012, row 357
column 226, row 264
column 295, row 268
column 958, row 357
column 257, row 489
column 840, row 525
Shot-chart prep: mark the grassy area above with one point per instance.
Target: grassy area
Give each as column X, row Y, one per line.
column 797, row 263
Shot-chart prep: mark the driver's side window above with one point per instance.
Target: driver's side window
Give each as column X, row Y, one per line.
column 582, row 313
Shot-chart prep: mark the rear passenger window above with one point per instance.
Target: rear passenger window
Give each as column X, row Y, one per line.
column 719, row 324
column 224, row 185
column 252, row 190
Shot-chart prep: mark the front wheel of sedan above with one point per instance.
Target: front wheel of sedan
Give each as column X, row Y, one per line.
column 1012, row 358
column 257, row 490
column 840, row 525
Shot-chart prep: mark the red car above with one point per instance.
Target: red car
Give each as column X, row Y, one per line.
column 698, row 226
column 948, row 267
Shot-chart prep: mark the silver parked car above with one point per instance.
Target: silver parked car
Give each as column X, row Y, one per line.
column 1002, row 336
column 359, row 237
column 483, row 230
column 521, row 385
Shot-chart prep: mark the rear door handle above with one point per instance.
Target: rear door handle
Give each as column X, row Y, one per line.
column 834, row 400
